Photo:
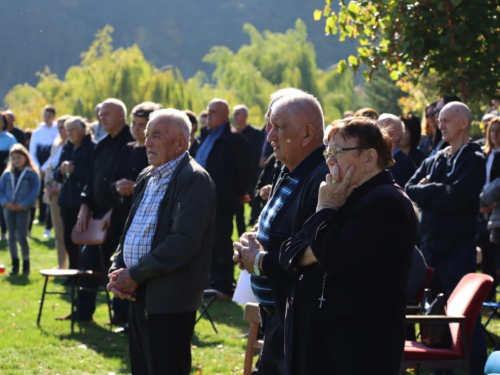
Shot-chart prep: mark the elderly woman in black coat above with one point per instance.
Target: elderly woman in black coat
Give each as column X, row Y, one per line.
column 346, row 312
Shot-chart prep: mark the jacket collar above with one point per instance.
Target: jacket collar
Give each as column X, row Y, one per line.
column 308, row 164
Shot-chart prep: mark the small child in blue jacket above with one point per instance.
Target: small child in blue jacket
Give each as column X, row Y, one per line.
column 19, row 187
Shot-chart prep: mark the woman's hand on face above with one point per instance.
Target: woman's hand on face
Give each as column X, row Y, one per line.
column 334, row 193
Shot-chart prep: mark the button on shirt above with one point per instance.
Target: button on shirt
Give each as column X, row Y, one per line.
column 140, row 234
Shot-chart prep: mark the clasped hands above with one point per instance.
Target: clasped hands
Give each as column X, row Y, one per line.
column 121, row 284
column 245, row 251
column 14, row 206
column 333, row 193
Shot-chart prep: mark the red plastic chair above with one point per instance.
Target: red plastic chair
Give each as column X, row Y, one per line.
column 463, row 307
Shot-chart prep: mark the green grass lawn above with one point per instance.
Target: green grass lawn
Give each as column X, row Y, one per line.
column 26, row 348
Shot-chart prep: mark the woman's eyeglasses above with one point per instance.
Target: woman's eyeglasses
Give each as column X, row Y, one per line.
column 336, row 151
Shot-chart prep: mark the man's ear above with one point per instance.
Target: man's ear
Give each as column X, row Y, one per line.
column 371, row 158
column 307, row 134
column 181, row 144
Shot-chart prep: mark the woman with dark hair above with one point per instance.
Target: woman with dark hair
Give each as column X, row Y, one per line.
column 352, row 257
column 411, row 139
column 433, row 140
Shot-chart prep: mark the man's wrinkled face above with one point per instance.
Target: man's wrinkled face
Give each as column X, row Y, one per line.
column 450, row 124
column 217, row 114
column 284, row 137
column 111, row 116
column 240, row 117
column 161, row 137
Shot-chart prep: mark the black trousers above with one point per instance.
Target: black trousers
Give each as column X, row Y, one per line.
column 159, row 343
column 70, row 216
column 271, row 360
column 222, row 265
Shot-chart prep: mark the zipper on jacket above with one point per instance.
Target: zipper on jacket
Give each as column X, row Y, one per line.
column 146, row 314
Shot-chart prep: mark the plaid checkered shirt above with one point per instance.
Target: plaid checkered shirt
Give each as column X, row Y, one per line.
column 140, row 234
column 284, row 187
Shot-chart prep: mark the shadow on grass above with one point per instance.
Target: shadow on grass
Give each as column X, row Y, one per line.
column 228, row 313
column 18, row 279
column 101, row 340
column 50, row 244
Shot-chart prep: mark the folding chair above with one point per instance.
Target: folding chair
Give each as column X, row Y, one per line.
column 209, row 296
column 74, row 276
column 494, row 307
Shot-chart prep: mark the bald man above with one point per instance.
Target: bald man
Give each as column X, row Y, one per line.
column 227, row 158
column 446, row 187
column 404, row 167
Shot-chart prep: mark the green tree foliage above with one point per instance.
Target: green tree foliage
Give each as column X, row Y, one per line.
column 457, row 39
column 382, row 94
column 271, row 61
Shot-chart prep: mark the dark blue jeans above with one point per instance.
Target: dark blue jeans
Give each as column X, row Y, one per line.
column 452, row 261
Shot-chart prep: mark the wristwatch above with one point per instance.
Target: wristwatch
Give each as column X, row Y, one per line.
column 256, row 269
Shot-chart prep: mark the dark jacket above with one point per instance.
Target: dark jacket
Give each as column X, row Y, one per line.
column 366, row 249
column 72, row 186
column 450, row 202
column 403, row 169
column 230, row 166
column 297, row 208
column 131, row 161
column 99, row 191
column 255, row 138
column 175, row 272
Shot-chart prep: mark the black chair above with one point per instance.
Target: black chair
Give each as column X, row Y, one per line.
column 74, row 276
column 209, row 297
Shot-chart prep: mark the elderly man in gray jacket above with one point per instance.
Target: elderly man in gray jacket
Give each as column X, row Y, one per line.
column 162, row 262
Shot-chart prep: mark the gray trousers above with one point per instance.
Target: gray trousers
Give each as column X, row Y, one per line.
column 17, row 227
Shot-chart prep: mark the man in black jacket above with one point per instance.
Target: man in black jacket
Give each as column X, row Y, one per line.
column 446, row 187
column 295, row 127
column 98, row 196
column 227, row 158
column 254, row 137
column 161, row 264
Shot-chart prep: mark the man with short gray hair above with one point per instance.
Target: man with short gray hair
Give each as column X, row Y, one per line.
column 97, row 202
column 161, row 262
column 295, row 131
column 404, row 167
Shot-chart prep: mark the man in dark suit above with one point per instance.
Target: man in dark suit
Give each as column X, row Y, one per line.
column 404, row 167
column 227, row 158
column 97, row 202
column 254, row 137
column 162, row 261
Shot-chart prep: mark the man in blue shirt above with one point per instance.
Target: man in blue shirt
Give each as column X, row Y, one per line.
column 227, row 158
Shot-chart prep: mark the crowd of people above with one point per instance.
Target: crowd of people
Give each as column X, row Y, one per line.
column 331, row 241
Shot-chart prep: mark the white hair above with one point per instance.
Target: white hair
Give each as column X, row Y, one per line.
column 393, row 121
column 241, row 107
column 79, row 121
column 298, row 104
column 178, row 117
column 118, row 103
